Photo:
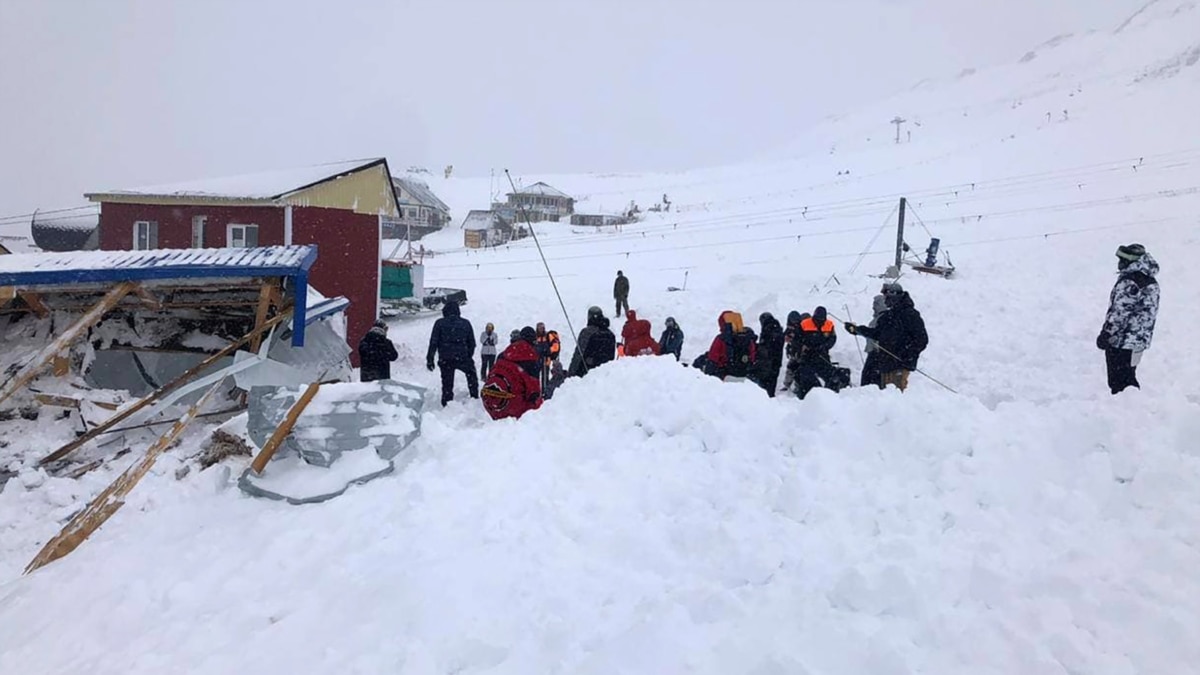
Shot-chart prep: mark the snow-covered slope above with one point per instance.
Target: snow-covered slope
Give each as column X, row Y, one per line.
column 652, row 520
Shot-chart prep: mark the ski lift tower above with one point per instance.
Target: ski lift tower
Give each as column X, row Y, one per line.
column 898, row 120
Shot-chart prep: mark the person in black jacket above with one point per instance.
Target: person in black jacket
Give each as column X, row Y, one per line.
column 812, row 366
column 597, row 345
column 453, row 343
column 376, row 353
column 770, row 353
column 899, row 335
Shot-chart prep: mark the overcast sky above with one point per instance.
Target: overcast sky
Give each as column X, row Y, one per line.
column 120, row 93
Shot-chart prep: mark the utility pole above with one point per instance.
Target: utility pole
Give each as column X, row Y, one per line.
column 898, row 120
column 900, row 233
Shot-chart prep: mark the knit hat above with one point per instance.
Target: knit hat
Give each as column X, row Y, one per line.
column 794, row 317
column 515, row 335
column 528, row 334
column 380, row 323
column 819, row 316
column 1131, row 252
column 892, row 288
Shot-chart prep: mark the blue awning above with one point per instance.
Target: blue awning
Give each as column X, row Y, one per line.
column 114, row 267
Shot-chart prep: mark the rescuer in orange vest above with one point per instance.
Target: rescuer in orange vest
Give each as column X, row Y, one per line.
column 812, row 366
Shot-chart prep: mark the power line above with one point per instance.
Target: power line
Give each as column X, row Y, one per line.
column 836, row 256
column 26, row 216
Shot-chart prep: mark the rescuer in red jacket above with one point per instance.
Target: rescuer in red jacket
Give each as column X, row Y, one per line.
column 637, row 336
column 512, row 387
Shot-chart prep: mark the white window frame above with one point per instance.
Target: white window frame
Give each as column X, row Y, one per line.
column 151, row 234
column 244, row 227
column 198, row 223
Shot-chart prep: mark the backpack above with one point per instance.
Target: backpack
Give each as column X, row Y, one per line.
column 839, row 379
column 739, row 353
column 504, row 392
column 601, row 349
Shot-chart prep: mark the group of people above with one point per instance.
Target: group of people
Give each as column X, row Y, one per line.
column 896, row 337
column 519, row 377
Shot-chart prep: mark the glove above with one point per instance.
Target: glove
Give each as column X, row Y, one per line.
column 429, row 365
column 1101, row 342
column 851, row 328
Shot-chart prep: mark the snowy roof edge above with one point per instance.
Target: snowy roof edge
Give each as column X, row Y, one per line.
column 194, row 190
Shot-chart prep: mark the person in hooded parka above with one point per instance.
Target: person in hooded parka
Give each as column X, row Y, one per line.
column 1132, row 312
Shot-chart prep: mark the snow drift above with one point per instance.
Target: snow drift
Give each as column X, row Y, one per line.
column 649, row 519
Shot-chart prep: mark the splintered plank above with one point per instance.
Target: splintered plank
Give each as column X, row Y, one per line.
column 158, row 394
column 34, row 301
column 60, row 344
column 112, row 498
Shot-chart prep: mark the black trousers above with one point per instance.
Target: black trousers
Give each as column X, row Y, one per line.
column 1122, row 374
column 812, row 373
column 621, row 302
column 768, row 378
column 486, row 361
column 466, row 368
column 871, row 375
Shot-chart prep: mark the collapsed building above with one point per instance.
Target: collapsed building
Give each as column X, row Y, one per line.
column 119, row 341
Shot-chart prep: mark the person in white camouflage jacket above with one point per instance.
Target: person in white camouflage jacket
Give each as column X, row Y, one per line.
column 1132, row 311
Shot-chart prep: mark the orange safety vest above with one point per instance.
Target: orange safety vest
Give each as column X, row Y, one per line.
column 810, row 326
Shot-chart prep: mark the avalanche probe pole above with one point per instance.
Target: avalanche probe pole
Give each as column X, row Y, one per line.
column 885, row 351
column 858, row 344
column 545, row 264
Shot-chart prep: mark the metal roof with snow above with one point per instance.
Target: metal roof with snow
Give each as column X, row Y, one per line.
column 479, row 220
column 421, row 192
column 252, row 187
column 113, row 267
column 543, row 190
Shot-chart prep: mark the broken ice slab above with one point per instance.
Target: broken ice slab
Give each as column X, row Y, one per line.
column 349, row 433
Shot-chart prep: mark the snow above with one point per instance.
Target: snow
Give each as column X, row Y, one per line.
column 252, row 186
column 165, row 259
column 652, row 520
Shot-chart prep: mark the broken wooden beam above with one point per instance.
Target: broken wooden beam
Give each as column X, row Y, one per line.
column 35, row 304
column 60, row 344
column 100, row 509
column 281, row 432
column 159, row 393
column 148, row 298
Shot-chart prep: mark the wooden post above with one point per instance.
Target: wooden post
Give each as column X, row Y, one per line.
column 900, row 233
column 112, row 498
column 186, row 377
column 281, row 432
column 264, row 306
column 60, row 344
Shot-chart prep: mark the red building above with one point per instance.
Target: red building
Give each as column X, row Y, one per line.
column 338, row 207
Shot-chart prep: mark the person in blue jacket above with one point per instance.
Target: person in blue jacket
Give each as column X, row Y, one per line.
column 671, row 341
